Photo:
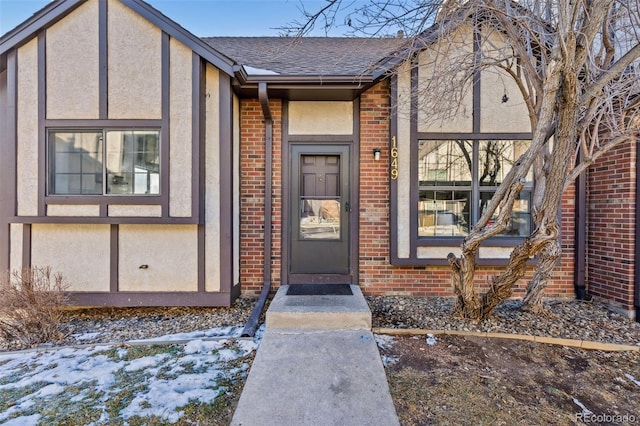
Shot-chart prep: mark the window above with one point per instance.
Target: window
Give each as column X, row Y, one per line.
column 457, row 179
column 96, row 162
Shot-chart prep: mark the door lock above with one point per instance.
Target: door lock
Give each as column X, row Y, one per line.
column 347, row 207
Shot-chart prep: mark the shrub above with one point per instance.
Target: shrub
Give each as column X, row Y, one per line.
column 31, row 303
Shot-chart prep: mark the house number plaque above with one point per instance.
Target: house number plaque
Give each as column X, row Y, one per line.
column 394, row 159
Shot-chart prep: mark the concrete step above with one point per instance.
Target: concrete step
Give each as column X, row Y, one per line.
column 347, row 312
column 316, row 377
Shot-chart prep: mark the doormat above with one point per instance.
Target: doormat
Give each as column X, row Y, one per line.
column 319, row 290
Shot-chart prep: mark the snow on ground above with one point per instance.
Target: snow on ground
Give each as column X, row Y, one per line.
column 165, row 381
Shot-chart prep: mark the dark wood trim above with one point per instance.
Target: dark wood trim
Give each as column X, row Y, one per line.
column 114, row 250
column 201, row 163
column 393, row 183
column 104, row 124
column 354, row 189
column 474, row 136
column 42, row 115
column 26, row 246
column 135, row 220
column 477, row 86
column 165, row 123
column 45, row 17
column 8, row 150
column 139, row 298
column 104, row 199
column 226, row 183
column 509, row 241
column 413, row 168
column 103, row 58
column 636, row 280
column 196, row 136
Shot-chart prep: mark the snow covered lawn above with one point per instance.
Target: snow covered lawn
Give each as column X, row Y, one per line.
column 124, row 384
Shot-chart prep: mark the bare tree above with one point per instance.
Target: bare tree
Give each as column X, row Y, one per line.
column 576, row 65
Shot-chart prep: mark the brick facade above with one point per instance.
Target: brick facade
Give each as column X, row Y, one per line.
column 611, row 224
column 376, row 275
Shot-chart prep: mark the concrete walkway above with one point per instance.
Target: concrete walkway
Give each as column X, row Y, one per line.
column 320, row 368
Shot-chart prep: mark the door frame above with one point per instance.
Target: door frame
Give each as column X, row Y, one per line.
column 351, row 141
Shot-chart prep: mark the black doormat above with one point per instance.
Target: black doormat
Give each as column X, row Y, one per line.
column 319, row 290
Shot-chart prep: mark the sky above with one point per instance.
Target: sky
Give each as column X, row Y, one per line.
column 203, row 18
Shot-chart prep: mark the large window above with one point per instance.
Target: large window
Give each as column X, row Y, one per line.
column 96, row 162
column 457, row 179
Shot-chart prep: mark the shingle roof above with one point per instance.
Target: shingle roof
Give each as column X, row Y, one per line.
column 308, row 55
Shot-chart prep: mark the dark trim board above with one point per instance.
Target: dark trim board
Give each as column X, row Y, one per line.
column 8, row 149
column 636, row 280
column 131, row 299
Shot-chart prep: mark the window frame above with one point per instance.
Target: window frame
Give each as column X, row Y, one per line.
column 123, row 198
column 476, row 189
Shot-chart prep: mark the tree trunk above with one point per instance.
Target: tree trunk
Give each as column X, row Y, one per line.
column 535, row 289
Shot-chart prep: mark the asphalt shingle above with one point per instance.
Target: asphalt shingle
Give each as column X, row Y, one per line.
column 334, row 56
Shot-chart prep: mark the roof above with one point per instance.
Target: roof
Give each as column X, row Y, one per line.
column 306, row 56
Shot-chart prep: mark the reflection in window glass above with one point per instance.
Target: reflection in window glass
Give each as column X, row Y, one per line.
column 495, row 159
column 319, row 219
column 96, row 162
column 443, row 213
column 75, row 163
column 457, row 179
column 445, row 163
column 133, row 162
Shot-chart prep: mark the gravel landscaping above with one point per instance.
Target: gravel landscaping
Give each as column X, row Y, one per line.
column 562, row 318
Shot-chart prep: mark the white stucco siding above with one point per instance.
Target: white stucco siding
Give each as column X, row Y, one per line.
column 403, row 140
column 181, row 134
column 73, row 210
column 16, row 235
column 212, row 180
column 134, row 65
column 81, row 253
column 127, row 210
column 158, row 258
column 445, row 103
column 511, row 116
column 27, row 127
column 236, row 189
column 73, row 65
column 320, row 118
column 437, row 252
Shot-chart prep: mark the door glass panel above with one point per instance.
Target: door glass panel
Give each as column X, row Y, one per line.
column 319, row 218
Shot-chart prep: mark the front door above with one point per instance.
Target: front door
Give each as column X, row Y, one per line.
column 320, row 207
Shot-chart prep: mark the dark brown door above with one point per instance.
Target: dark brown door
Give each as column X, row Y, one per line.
column 320, row 207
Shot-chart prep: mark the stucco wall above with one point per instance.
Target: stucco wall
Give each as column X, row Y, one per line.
column 499, row 116
column 27, row 161
column 17, row 240
column 81, row 253
column 170, row 253
column 73, row 65
column 73, row 210
column 320, row 118
column 181, row 130
column 124, row 210
column 135, row 65
column 403, row 141
column 212, row 181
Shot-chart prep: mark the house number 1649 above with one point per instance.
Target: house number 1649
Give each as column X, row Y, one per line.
column 394, row 159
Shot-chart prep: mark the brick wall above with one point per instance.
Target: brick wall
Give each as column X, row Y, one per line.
column 252, row 185
column 611, row 226
column 377, row 276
